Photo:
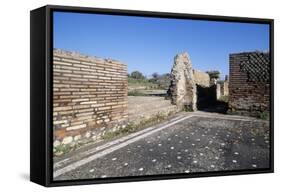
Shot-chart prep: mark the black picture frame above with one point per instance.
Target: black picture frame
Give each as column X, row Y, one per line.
column 41, row 54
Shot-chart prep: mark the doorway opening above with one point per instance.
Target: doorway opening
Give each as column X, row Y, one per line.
column 207, row 100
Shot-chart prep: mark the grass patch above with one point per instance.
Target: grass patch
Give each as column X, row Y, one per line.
column 187, row 108
column 142, row 83
column 62, row 149
column 133, row 127
column 136, row 93
column 263, row 115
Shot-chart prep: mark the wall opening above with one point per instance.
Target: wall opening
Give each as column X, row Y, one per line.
column 207, row 99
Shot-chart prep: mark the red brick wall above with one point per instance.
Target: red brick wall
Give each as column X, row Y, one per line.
column 246, row 93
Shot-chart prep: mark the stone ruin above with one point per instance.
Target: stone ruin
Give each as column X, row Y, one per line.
column 182, row 90
column 247, row 87
column 224, row 86
column 188, row 86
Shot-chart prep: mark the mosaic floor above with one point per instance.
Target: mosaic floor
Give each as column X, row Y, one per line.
column 196, row 144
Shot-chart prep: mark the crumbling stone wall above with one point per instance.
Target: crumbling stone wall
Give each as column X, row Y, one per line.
column 249, row 82
column 183, row 87
column 218, row 91
column 225, row 90
column 89, row 93
column 224, row 87
column 201, row 78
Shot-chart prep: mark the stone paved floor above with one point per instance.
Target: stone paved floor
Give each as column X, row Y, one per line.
column 197, row 144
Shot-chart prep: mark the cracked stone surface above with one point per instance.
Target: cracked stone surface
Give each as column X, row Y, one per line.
column 197, row 144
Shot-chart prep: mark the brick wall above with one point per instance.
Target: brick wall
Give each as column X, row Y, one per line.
column 249, row 82
column 89, row 94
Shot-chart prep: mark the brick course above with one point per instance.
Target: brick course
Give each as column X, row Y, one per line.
column 249, row 85
column 88, row 93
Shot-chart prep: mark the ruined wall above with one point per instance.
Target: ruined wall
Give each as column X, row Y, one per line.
column 88, row 94
column 218, row 91
column 225, row 90
column 201, row 78
column 224, row 87
column 249, row 82
column 182, row 89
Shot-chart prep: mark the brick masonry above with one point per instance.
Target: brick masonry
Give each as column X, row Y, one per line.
column 89, row 93
column 249, row 82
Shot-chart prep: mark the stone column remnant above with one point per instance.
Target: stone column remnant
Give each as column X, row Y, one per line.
column 182, row 90
column 218, row 91
column 225, row 86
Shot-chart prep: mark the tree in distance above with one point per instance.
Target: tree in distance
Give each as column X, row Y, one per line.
column 137, row 75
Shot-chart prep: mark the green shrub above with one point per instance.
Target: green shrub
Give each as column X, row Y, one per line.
column 263, row 115
column 137, row 75
column 187, row 108
column 62, row 149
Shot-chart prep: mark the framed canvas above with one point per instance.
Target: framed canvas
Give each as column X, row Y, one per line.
column 125, row 95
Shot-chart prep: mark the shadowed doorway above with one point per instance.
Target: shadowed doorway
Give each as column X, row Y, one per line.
column 207, row 100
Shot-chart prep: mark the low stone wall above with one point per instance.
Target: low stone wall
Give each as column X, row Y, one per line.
column 249, row 82
column 201, row 78
column 89, row 94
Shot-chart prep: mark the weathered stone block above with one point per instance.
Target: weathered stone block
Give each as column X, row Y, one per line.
column 76, row 127
column 201, row 78
column 182, row 88
column 67, row 140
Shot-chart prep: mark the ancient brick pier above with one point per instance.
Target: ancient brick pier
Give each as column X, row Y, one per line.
column 249, row 83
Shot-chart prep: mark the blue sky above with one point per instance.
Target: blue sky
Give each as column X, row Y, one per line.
column 150, row 44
